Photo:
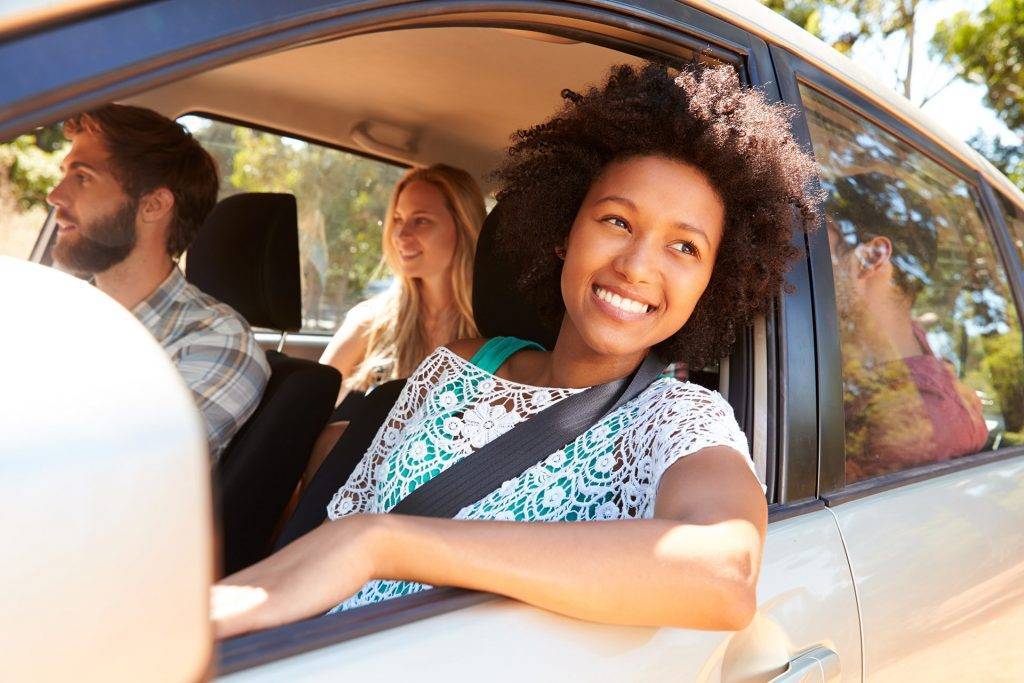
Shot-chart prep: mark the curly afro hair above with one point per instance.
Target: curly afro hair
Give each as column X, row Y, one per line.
column 704, row 118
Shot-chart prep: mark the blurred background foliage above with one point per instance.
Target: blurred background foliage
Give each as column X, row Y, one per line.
column 341, row 200
column 985, row 47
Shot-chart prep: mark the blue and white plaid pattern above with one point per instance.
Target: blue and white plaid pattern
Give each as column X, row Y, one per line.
column 213, row 349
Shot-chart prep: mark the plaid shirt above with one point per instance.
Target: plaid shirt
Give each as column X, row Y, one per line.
column 213, row 349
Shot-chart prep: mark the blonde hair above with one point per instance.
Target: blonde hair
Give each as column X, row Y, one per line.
column 396, row 340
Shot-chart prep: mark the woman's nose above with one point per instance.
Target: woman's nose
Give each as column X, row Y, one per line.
column 635, row 261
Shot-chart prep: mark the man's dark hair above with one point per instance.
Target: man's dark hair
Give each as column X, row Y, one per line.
column 704, row 118
column 873, row 204
column 149, row 151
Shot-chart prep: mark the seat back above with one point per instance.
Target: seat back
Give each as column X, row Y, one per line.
column 247, row 255
column 364, row 424
column 269, row 454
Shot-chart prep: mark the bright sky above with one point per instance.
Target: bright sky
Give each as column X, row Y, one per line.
column 959, row 107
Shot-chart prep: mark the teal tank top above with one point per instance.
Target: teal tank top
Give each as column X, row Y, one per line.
column 493, row 354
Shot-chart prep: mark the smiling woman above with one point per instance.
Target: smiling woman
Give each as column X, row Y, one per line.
column 620, row 210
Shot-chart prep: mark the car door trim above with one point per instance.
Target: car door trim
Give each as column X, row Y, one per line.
column 886, row 482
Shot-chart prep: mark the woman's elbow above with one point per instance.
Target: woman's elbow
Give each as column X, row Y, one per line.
column 733, row 592
column 739, row 609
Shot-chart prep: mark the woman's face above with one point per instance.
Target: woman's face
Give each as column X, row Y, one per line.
column 640, row 254
column 423, row 231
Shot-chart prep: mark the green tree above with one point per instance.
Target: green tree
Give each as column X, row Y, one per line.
column 868, row 18
column 988, row 48
column 341, row 198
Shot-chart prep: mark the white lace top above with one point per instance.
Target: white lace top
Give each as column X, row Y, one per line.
column 450, row 408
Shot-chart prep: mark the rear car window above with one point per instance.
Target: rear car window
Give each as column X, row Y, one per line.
column 930, row 337
column 341, row 200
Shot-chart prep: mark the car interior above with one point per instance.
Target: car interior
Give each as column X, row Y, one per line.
column 410, row 97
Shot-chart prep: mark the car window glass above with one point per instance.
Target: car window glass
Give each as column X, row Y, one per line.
column 1014, row 215
column 931, row 344
column 29, row 169
column 341, row 200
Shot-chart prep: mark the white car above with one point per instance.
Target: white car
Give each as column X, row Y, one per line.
column 894, row 562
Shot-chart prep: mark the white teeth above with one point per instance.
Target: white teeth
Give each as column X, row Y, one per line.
column 628, row 305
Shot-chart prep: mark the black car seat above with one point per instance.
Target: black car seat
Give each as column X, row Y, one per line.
column 247, row 255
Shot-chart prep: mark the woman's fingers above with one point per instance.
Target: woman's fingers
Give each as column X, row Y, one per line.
column 231, row 607
column 304, row 579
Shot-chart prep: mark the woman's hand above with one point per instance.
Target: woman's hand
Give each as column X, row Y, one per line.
column 307, row 577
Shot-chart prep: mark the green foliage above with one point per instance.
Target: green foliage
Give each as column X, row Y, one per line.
column 1004, row 362
column 32, row 164
column 870, row 18
column 989, row 49
column 341, row 198
column 804, row 13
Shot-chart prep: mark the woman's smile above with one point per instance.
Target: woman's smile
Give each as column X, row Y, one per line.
column 619, row 304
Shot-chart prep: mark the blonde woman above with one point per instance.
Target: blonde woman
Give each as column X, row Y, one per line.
column 429, row 240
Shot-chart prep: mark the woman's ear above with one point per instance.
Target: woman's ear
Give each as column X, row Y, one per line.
column 560, row 252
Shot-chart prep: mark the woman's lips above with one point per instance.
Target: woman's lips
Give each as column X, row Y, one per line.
column 617, row 312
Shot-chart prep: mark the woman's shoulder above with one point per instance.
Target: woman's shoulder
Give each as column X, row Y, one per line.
column 367, row 309
column 675, row 399
column 466, row 348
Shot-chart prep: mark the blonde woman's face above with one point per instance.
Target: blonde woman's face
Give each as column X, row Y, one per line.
column 423, row 232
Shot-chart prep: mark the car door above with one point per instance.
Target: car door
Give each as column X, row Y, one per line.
column 924, row 447
column 807, row 617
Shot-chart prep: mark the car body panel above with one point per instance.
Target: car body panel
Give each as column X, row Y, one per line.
column 939, row 567
column 108, row 549
column 805, row 600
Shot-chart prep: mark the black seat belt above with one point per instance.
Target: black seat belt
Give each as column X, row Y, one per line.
column 523, row 446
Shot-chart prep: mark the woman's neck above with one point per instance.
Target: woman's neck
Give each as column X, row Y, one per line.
column 436, row 296
column 573, row 364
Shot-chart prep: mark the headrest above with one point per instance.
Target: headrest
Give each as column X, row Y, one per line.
column 247, row 255
column 497, row 306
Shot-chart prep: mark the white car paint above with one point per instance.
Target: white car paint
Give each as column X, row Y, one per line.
column 104, row 492
column 939, row 567
column 805, row 590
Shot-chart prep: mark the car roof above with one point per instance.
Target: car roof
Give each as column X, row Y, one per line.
column 436, row 94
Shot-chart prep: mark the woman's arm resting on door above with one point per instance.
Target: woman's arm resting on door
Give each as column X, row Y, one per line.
column 695, row 565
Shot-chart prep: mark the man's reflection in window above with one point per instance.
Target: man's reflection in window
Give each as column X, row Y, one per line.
column 904, row 405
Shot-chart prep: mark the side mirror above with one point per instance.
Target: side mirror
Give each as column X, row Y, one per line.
column 104, row 492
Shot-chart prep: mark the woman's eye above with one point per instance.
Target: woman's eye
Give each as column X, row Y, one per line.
column 81, row 178
column 686, row 248
column 617, row 222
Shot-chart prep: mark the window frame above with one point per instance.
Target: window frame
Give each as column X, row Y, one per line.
column 832, row 488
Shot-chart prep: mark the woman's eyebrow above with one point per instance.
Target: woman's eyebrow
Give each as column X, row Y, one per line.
column 618, row 200
column 692, row 228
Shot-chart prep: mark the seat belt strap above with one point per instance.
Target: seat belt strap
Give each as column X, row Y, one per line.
column 525, row 445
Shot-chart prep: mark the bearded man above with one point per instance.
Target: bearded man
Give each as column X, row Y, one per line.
column 136, row 187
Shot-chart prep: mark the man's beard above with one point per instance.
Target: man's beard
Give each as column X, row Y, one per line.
column 99, row 246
